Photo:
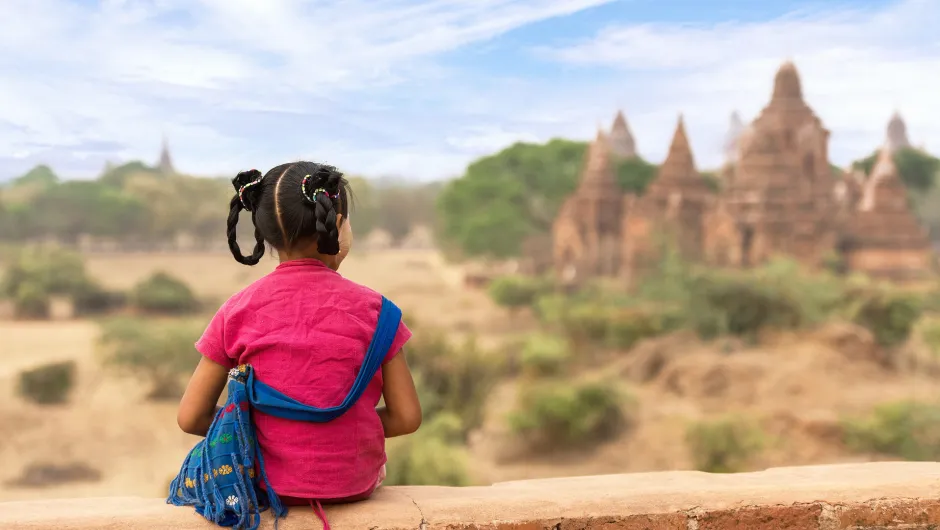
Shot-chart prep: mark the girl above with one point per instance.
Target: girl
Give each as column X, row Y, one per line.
column 305, row 329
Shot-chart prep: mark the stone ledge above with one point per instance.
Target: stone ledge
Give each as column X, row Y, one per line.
column 875, row 496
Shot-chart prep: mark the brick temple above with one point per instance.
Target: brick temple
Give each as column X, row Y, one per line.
column 779, row 196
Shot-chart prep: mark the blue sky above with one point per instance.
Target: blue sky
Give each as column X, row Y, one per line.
column 419, row 88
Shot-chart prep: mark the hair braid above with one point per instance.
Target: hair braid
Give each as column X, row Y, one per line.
column 247, row 186
column 234, row 210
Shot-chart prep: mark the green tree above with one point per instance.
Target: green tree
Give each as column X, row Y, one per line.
column 76, row 207
column 40, row 175
column 635, row 174
column 503, row 198
column 918, row 169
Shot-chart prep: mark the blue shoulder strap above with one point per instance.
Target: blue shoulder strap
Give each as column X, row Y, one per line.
column 270, row 401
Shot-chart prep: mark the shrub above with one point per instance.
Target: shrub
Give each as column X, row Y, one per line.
column 36, row 273
column 559, row 414
column 514, row 292
column 723, row 446
column 44, row 474
column 586, row 322
column 551, row 309
column 49, row 384
column 161, row 352
column 455, row 379
column 162, row 293
column 617, row 327
column 929, row 329
column 92, row 299
column 545, row 355
column 625, row 327
column 725, row 303
column 431, row 457
column 906, row 429
column 55, row 271
column 890, row 315
column 31, row 300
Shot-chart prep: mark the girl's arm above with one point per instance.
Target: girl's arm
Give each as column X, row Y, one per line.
column 402, row 412
column 198, row 406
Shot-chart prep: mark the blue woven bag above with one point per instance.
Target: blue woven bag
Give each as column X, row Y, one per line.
column 218, row 476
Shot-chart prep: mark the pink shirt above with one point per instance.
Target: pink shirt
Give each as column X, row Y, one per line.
column 305, row 330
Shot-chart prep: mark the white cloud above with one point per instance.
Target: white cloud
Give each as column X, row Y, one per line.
column 361, row 83
column 857, row 67
column 127, row 70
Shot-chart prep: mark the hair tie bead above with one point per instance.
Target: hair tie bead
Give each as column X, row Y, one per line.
column 312, row 197
column 241, row 191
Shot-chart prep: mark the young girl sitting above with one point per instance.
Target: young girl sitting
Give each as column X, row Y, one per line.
column 304, row 330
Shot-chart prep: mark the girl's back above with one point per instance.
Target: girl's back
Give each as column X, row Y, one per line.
column 305, row 330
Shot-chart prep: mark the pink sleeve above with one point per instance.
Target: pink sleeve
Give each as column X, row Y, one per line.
column 212, row 343
column 403, row 335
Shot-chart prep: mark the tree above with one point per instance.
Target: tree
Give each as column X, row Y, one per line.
column 41, row 175
column 76, row 207
column 506, row 197
column 918, row 169
column 635, row 174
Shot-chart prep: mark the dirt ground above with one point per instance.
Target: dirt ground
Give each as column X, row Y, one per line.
column 796, row 387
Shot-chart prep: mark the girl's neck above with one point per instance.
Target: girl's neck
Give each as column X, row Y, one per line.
column 307, row 253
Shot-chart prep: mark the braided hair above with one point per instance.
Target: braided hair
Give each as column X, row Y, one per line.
column 291, row 204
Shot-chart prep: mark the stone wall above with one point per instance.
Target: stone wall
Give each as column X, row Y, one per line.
column 882, row 496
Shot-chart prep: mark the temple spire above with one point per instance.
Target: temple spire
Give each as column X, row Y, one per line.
column 679, row 161
column 787, row 84
column 598, row 174
column 896, row 134
column 622, row 144
column 165, row 165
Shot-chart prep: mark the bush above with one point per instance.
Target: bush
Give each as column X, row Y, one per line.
column 736, row 304
column 626, row 327
column 551, row 308
column 616, row 327
column 31, row 300
column 545, row 355
column 49, row 384
column 162, row 293
column 514, row 292
column 890, row 315
column 455, row 379
column 723, row 446
column 906, row 429
column 431, row 457
column 558, row 414
column 161, row 352
column 929, row 329
column 587, row 322
column 37, row 273
column 92, row 299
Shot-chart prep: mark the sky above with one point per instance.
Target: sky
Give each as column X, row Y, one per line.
column 418, row 89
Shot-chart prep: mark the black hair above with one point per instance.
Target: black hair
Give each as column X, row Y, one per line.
column 291, row 203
